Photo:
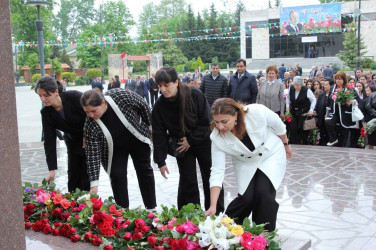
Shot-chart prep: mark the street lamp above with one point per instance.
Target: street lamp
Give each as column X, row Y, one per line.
column 358, row 12
column 39, row 24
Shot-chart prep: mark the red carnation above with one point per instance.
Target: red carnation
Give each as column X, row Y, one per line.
column 107, row 247
column 136, row 236
column 75, row 238
column 53, row 193
column 180, row 229
column 127, row 236
column 140, row 223
column 73, row 203
column 98, row 204
column 172, row 243
column 181, row 244
column 27, row 225
column 87, row 236
column 55, row 232
column 152, row 240
column 145, row 229
column 112, row 209
column 37, row 226
column 97, row 241
column 65, row 216
column 158, row 248
column 57, row 212
column 47, row 229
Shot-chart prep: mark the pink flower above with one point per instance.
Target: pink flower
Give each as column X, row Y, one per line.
column 77, row 217
column 119, row 219
column 190, row 228
column 150, row 215
column 82, row 206
column 334, row 97
column 91, row 219
column 259, row 242
column 171, row 222
column 156, row 219
column 351, row 86
column 288, row 119
column 192, row 245
column 43, row 197
column 39, row 192
column 160, row 228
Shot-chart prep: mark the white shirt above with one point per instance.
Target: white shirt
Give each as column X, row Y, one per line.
column 310, row 96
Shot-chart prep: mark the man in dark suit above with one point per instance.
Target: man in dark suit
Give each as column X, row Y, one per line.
column 281, row 71
column 294, row 26
column 243, row 85
column 146, row 88
column 140, row 89
column 97, row 84
column 153, row 89
column 130, row 83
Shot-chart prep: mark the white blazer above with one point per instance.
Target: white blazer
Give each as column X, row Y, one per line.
column 263, row 127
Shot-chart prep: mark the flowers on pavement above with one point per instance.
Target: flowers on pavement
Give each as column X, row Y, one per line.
column 85, row 217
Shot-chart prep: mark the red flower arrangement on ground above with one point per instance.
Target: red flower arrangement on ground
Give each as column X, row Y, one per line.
column 84, row 217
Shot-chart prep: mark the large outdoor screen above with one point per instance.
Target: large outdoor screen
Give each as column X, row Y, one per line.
column 323, row 18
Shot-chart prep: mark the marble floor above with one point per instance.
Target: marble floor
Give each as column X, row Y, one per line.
column 328, row 195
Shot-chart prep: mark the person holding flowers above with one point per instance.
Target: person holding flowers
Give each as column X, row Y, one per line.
column 370, row 114
column 255, row 137
column 119, row 125
column 339, row 110
column 62, row 111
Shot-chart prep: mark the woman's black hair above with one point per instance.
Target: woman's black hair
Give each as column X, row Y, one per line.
column 187, row 109
column 59, row 86
column 91, row 97
column 47, row 83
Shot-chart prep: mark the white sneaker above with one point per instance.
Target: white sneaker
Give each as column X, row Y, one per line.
column 332, row 143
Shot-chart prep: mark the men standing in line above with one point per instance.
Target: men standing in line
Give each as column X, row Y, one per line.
column 130, row 83
column 281, row 71
column 140, row 89
column 153, row 89
column 243, row 85
column 214, row 85
column 146, row 88
column 328, row 72
column 97, row 84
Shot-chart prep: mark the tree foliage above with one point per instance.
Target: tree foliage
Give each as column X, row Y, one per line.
column 350, row 44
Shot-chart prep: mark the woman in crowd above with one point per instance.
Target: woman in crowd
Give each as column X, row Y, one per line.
column 182, row 115
column 119, row 125
column 299, row 101
column 63, row 111
column 111, row 84
column 370, row 113
column 316, row 84
column 255, row 138
column 320, row 109
column 271, row 92
column 361, row 90
column 341, row 114
column 309, row 84
column 351, row 81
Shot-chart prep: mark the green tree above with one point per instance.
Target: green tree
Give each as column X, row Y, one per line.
column 64, row 58
column 278, row 3
column 349, row 54
column 171, row 8
column 74, row 17
column 148, row 17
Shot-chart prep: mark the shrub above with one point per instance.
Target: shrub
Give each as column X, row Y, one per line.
column 197, row 64
column 35, row 77
column 373, row 65
column 223, row 65
column 71, row 76
column 366, row 62
column 206, row 66
column 92, row 73
column 83, row 80
column 180, row 68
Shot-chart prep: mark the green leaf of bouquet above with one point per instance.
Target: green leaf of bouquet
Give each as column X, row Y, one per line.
column 52, row 186
column 44, row 182
column 28, row 184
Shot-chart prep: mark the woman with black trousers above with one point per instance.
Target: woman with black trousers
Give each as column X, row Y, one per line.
column 63, row 111
column 182, row 112
column 119, row 125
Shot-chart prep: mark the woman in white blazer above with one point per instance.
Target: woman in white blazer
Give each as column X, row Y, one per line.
column 256, row 139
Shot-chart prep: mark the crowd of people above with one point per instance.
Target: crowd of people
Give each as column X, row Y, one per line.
column 200, row 118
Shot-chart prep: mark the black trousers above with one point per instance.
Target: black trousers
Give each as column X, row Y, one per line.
column 153, row 97
column 258, row 199
column 140, row 153
column 354, row 137
column 297, row 134
column 188, row 191
column 335, row 131
column 77, row 171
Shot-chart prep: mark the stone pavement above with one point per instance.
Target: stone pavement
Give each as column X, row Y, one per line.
column 328, row 195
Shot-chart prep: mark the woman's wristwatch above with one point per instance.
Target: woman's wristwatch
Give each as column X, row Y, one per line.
column 286, row 143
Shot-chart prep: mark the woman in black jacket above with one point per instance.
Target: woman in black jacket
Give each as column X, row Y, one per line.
column 370, row 113
column 63, row 111
column 181, row 114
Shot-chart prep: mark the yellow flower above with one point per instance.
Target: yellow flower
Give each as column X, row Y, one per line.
column 227, row 221
column 50, row 206
column 237, row 230
column 48, row 202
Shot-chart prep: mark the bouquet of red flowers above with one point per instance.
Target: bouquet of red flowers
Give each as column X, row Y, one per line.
column 344, row 95
column 288, row 117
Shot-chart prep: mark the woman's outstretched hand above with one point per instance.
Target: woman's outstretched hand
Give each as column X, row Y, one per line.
column 211, row 211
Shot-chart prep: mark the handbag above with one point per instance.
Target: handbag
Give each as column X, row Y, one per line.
column 309, row 124
column 356, row 114
column 172, row 146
